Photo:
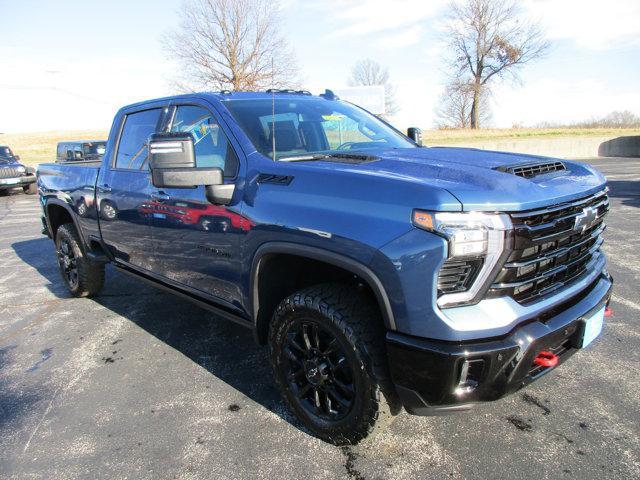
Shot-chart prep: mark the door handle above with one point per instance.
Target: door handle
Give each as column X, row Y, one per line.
column 104, row 188
column 160, row 197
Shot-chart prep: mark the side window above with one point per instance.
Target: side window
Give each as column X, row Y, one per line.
column 211, row 144
column 132, row 149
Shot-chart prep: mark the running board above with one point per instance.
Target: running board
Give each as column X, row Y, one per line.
column 186, row 295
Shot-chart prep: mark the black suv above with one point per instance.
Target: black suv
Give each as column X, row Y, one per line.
column 13, row 174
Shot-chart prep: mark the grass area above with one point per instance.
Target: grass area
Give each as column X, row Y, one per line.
column 462, row 135
column 35, row 148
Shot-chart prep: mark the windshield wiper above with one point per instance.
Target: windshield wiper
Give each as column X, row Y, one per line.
column 323, row 156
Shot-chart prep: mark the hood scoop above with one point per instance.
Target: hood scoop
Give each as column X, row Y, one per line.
column 528, row 170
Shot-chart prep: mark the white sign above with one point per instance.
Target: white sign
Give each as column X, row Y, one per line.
column 369, row 98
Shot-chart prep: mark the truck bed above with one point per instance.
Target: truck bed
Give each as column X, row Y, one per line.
column 73, row 184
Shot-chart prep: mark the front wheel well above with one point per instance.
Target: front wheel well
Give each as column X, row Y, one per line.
column 278, row 275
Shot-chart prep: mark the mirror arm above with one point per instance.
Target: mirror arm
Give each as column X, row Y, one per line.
column 220, row 194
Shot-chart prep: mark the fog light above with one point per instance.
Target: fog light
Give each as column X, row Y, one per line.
column 469, row 376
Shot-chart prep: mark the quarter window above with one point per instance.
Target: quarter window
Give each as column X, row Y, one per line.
column 132, row 150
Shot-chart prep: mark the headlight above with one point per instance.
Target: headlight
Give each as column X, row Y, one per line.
column 477, row 247
column 21, row 169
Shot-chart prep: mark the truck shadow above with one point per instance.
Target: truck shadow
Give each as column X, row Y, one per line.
column 224, row 349
column 626, row 190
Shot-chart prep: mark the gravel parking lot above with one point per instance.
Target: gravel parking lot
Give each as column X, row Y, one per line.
column 137, row 383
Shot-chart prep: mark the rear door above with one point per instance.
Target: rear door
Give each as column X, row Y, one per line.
column 196, row 243
column 124, row 191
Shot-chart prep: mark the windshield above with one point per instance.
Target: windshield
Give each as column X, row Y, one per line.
column 5, row 152
column 94, row 148
column 311, row 125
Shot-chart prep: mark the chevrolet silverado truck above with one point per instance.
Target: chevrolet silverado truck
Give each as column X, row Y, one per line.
column 13, row 174
column 381, row 274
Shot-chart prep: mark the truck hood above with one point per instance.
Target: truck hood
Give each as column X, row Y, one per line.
column 470, row 175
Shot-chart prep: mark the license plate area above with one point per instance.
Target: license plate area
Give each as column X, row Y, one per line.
column 592, row 327
column 9, row 181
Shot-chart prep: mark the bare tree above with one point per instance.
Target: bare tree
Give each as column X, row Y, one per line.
column 454, row 107
column 491, row 39
column 231, row 45
column 368, row 72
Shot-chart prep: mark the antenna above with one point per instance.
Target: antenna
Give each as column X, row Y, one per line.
column 273, row 113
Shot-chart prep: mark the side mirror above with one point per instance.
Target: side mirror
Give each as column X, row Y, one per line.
column 17, row 157
column 415, row 134
column 172, row 160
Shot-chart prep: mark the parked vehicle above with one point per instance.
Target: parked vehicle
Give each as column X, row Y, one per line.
column 381, row 274
column 79, row 151
column 13, row 174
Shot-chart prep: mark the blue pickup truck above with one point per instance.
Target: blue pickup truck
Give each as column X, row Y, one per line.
column 381, row 274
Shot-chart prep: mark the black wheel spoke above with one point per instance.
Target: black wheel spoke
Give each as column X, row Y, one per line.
column 316, row 335
column 292, row 356
column 302, row 391
column 348, row 389
column 331, row 348
column 305, row 337
column 292, row 342
column 341, row 399
column 339, row 364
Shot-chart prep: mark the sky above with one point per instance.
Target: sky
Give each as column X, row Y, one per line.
column 70, row 64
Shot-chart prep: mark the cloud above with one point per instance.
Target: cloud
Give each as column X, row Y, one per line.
column 366, row 17
column 594, row 24
column 404, row 38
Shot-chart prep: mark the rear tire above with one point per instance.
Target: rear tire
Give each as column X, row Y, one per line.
column 83, row 277
column 327, row 351
column 30, row 189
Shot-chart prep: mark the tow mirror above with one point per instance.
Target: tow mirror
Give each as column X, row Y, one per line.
column 172, row 160
column 415, row 134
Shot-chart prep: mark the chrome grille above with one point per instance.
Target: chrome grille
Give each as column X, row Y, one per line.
column 552, row 247
column 10, row 172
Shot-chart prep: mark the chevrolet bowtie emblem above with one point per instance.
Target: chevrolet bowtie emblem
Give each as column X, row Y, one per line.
column 585, row 219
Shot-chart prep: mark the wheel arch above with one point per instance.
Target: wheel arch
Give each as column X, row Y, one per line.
column 58, row 213
column 261, row 314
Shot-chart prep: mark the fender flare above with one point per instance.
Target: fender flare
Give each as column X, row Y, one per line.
column 59, row 203
column 326, row 256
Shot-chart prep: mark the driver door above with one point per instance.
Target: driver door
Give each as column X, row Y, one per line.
column 197, row 242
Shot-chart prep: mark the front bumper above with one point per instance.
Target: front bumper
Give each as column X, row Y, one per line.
column 427, row 373
column 16, row 182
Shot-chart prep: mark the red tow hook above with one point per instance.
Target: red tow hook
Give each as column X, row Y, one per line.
column 608, row 312
column 546, row 359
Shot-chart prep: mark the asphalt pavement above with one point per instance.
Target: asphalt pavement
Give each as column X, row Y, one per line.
column 139, row 384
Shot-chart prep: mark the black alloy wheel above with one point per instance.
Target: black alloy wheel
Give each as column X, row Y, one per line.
column 327, row 351
column 317, row 370
column 68, row 263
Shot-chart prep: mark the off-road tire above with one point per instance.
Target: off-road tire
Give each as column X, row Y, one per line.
column 351, row 315
column 90, row 274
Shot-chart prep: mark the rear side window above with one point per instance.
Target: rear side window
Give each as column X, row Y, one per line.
column 211, row 144
column 132, row 149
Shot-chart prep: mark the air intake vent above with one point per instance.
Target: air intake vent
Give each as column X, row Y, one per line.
column 457, row 275
column 529, row 170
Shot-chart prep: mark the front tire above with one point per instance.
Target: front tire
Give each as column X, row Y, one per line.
column 328, row 355
column 83, row 277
